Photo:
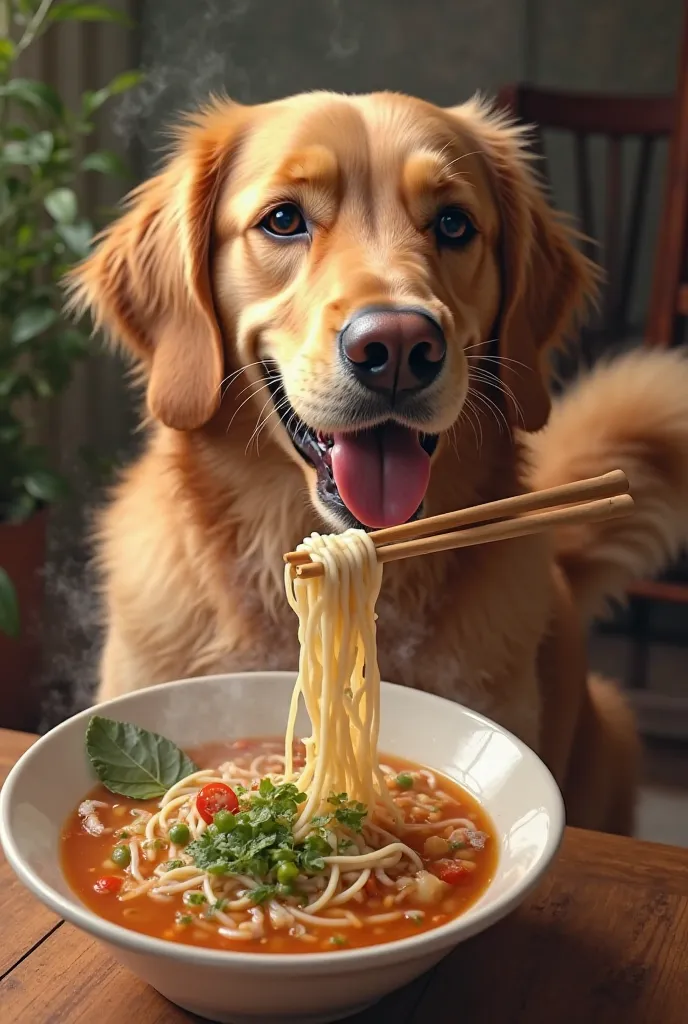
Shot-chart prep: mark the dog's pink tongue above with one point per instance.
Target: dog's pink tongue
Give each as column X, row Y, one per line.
column 382, row 474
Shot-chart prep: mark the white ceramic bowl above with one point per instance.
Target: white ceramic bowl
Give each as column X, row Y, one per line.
column 510, row 782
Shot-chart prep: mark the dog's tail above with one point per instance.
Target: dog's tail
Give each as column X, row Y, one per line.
column 630, row 414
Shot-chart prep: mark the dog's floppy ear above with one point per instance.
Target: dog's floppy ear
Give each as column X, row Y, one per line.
column 148, row 281
column 546, row 281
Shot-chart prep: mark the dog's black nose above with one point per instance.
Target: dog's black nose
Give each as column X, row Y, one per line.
column 393, row 350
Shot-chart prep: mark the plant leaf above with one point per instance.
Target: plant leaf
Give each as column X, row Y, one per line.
column 134, row 762
column 7, row 49
column 104, row 162
column 9, row 606
column 31, row 322
column 70, row 10
column 35, row 95
column 124, row 81
column 92, row 101
column 44, row 486
column 77, row 236
column 61, row 204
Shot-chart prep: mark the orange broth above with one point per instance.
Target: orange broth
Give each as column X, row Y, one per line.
column 86, row 858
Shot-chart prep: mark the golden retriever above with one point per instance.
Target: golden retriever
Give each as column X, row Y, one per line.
column 341, row 307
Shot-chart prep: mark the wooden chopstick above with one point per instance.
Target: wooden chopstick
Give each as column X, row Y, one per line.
column 487, row 533
column 606, row 486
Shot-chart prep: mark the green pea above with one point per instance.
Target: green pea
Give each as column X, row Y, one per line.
column 224, row 821
column 179, row 834
column 121, row 856
column 282, row 855
column 287, row 873
column 404, row 781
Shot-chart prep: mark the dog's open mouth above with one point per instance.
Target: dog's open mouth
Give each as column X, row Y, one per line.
column 373, row 478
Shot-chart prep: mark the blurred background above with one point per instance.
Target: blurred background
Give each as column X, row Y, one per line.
column 86, row 92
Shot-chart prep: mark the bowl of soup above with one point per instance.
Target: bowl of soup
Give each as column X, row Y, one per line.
column 200, row 894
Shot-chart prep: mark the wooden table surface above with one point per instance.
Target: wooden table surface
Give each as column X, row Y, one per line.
column 603, row 940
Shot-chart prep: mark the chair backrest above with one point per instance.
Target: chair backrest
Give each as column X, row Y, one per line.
column 615, row 119
column 668, row 312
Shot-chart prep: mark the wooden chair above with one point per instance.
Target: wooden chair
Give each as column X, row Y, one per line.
column 583, row 116
column 669, row 299
column 617, row 118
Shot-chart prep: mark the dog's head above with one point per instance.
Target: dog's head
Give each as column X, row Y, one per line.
column 345, row 261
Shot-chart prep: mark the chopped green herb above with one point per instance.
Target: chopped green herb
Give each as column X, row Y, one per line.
column 210, row 911
column 170, row 865
column 458, row 846
column 261, row 833
column 416, row 916
column 123, row 834
column 338, row 940
column 262, row 893
column 154, row 844
column 349, row 813
column 194, row 899
column 183, row 919
column 404, row 780
column 312, row 851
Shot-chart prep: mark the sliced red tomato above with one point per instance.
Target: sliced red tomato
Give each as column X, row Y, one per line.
column 108, row 885
column 214, row 797
column 450, row 872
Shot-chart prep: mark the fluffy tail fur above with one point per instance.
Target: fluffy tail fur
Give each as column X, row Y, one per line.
column 630, row 414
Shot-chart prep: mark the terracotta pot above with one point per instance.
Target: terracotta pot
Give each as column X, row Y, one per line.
column 22, row 556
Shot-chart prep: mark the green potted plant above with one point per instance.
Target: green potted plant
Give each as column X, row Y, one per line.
column 42, row 232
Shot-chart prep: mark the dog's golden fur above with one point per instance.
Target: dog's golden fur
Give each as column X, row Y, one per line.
column 191, row 545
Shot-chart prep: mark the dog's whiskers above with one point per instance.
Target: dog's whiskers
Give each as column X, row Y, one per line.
column 264, row 385
column 493, row 410
column 469, row 409
column 232, row 376
column 261, row 424
column 492, row 380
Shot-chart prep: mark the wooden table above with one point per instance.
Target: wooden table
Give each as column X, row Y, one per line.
column 604, row 940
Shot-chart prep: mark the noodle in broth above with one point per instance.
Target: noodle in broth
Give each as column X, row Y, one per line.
column 330, row 845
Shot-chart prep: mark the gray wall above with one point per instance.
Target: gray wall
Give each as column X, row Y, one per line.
column 440, row 49
column 263, row 49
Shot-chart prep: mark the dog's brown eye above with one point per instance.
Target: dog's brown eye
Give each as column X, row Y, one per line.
column 454, row 227
column 285, row 221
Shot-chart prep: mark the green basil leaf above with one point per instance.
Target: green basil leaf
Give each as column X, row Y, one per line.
column 134, row 762
column 9, row 606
